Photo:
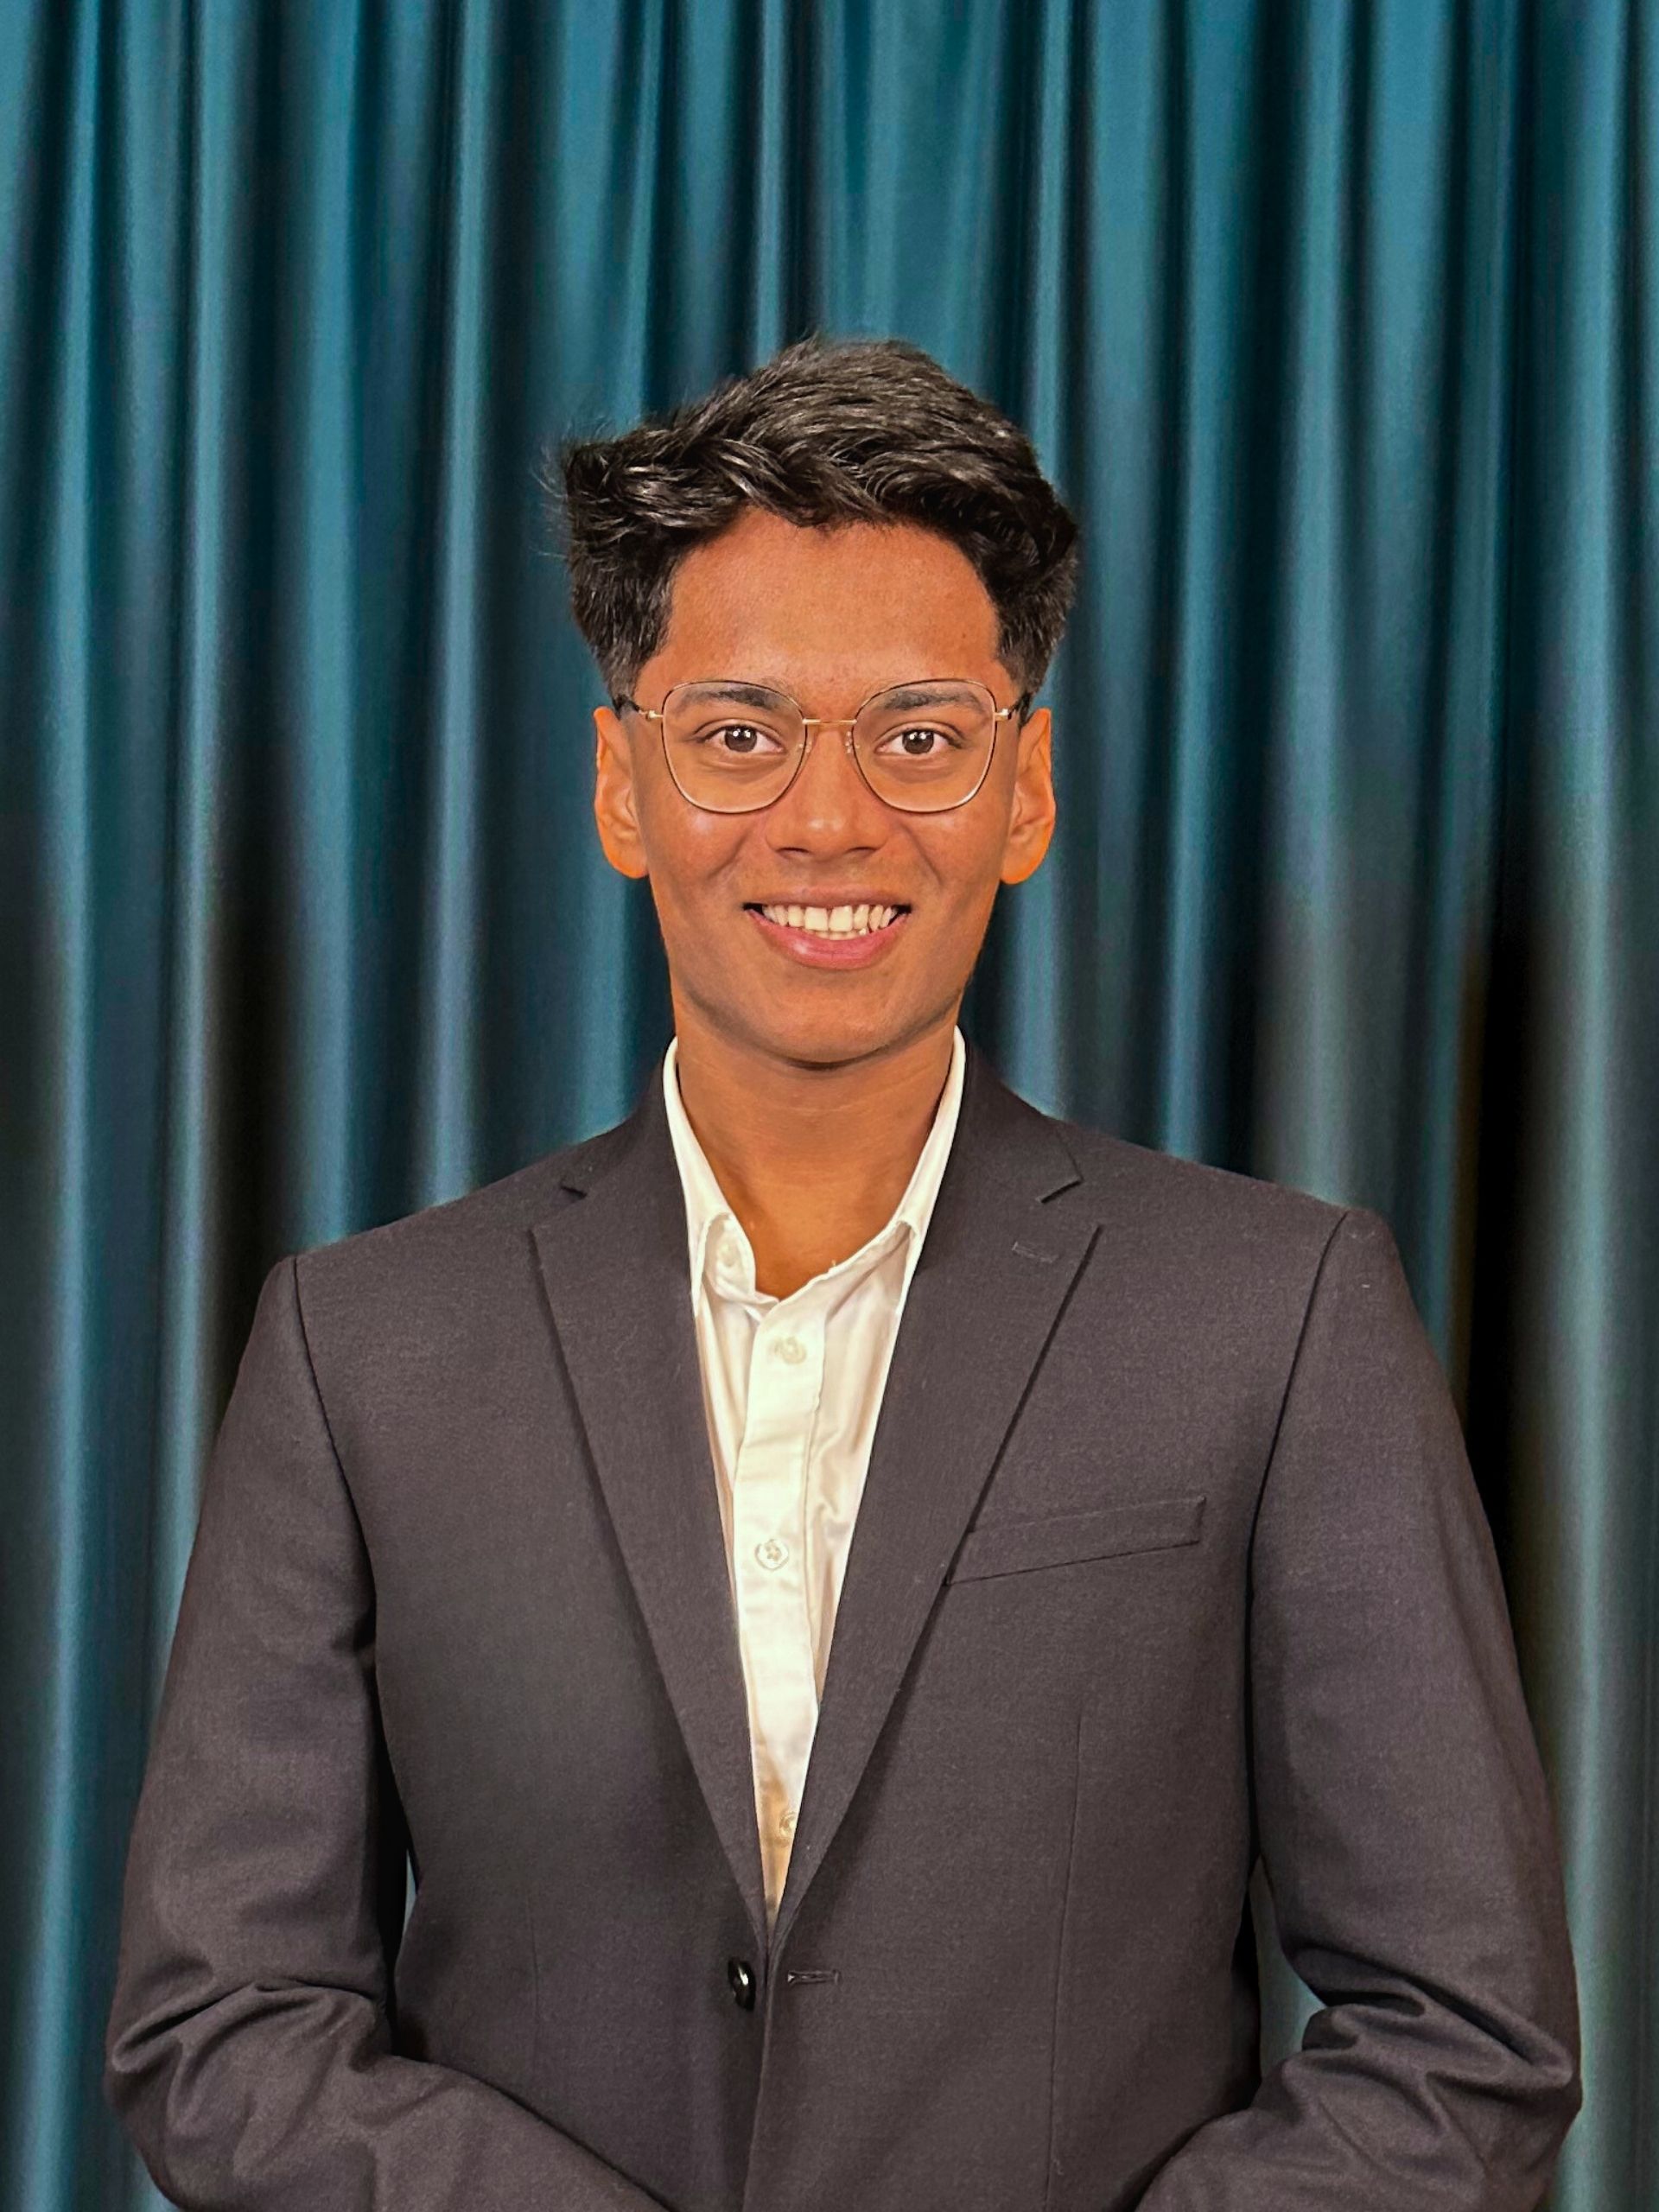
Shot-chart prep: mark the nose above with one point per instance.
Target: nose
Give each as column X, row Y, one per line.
column 828, row 807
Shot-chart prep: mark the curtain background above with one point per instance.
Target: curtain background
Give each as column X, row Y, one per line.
column 1337, row 324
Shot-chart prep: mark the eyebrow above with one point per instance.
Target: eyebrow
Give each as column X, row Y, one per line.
column 746, row 694
column 906, row 697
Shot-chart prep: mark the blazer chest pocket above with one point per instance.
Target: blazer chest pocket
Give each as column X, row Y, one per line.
column 1149, row 1524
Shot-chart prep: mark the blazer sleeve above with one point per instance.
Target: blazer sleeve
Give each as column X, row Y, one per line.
column 248, row 2050
column 1402, row 1810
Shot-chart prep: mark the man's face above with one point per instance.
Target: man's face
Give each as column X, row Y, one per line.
column 829, row 615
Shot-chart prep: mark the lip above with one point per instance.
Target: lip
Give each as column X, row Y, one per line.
column 831, row 895
column 815, row 951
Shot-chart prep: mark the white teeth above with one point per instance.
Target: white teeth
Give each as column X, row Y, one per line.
column 832, row 921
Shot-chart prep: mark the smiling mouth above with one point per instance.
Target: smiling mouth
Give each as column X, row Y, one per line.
column 832, row 921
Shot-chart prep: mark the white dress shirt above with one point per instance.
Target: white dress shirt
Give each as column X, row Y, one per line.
column 792, row 1388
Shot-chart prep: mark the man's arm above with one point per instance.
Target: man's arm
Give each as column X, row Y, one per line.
column 248, row 2051
column 1402, row 1810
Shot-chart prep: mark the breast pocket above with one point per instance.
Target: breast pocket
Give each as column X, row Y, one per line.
column 1148, row 1525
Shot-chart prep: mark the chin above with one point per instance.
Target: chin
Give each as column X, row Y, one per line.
column 830, row 1038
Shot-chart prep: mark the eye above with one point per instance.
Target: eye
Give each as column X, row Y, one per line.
column 920, row 741
column 740, row 741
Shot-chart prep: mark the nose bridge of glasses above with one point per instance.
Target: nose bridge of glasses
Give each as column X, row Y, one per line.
column 851, row 766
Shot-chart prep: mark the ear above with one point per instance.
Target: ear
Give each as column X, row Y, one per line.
column 1031, row 823
column 614, row 796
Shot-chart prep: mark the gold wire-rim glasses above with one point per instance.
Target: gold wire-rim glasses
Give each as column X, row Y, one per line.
column 1019, row 710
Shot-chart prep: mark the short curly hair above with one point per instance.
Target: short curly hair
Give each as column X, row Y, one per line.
column 858, row 431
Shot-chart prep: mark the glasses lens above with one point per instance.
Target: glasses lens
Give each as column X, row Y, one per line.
column 730, row 746
column 923, row 745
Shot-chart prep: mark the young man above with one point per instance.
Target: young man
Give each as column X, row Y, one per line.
column 835, row 1582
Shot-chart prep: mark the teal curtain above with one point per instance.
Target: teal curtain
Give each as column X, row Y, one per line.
column 1338, row 325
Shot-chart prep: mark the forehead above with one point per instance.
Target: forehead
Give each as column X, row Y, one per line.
column 830, row 614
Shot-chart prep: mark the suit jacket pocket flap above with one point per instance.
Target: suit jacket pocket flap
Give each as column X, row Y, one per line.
column 1058, row 1539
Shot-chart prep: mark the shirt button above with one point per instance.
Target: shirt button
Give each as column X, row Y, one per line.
column 773, row 1552
column 729, row 1254
column 791, row 1349
column 786, row 1821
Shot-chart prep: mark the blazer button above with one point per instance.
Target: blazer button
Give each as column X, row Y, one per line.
column 740, row 1974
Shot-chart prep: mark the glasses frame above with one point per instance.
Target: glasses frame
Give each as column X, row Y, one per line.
column 1020, row 708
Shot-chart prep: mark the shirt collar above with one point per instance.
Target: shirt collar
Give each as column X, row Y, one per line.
column 708, row 1212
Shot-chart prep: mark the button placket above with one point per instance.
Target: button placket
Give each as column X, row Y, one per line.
column 772, row 1461
column 768, row 1502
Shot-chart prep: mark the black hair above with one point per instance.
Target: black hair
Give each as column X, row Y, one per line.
column 868, row 430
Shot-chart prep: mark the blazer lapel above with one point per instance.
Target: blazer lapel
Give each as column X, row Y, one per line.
column 994, row 1274
column 995, row 1268
column 616, row 1269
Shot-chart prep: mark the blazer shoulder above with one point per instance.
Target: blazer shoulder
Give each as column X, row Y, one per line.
column 451, row 1243
column 1193, row 1200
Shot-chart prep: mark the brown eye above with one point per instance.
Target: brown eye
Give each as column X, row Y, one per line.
column 742, row 739
column 920, row 741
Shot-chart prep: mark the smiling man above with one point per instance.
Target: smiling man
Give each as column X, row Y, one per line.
column 834, row 1584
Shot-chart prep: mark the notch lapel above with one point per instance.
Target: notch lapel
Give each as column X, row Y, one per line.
column 995, row 1268
column 615, row 1266
column 994, row 1271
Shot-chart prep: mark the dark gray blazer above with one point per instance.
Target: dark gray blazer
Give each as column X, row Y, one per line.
column 1169, row 1555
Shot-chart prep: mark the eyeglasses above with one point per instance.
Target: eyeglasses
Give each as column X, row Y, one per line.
column 734, row 747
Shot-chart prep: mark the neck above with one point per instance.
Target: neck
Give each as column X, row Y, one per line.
column 812, row 1159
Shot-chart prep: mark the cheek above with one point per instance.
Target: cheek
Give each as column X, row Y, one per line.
column 964, row 854
column 690, row 856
